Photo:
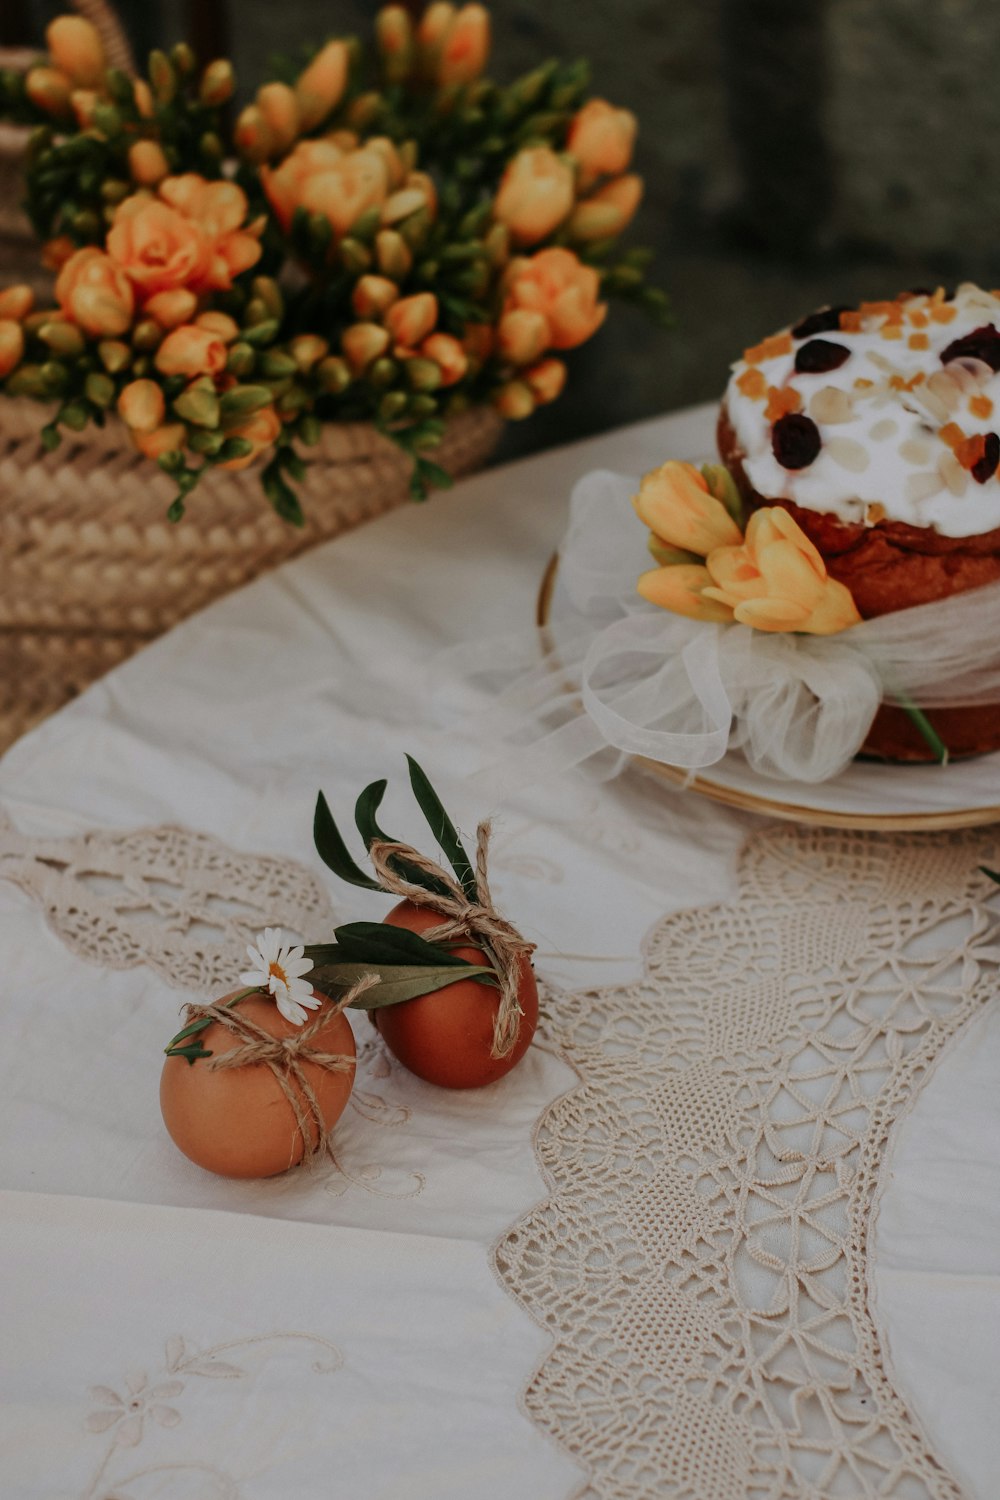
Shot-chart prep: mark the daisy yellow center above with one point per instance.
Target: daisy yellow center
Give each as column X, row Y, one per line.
column 278, row 973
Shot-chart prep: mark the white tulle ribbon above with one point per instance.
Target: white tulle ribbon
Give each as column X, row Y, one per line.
column 617, row 672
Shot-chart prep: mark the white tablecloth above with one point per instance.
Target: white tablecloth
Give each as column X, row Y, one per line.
column 124, row 1268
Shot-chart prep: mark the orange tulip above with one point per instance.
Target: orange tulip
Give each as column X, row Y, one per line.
column 141, row 405
column 546, row 380
column 261, row 429
column 449, row 356
column 11, row 345
column 602, row 138
column 556, row 284
column 146, row 163
column 777, row 580
column 411, row 319
column 171, row 309
column 608, row 211
column 49, row 89
column 535, row 194
column 363, row 343
column 16, row 302
column 280, row 109
column 320, row 88
column 161, row 440
column 75, row 48
column 191, row 351
column 373, row 295
column 522, row 336
column 674, row 502
column 94, row 292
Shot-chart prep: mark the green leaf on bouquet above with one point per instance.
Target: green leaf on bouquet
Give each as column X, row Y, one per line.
column 376, row 943
column 396, row 982
column 365, row 811
column 333, row 851
column 442, row 828
column 993, row 874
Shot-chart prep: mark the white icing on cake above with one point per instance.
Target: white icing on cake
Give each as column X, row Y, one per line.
column 880, row 444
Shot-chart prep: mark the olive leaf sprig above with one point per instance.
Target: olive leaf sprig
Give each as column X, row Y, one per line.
column 407, row 964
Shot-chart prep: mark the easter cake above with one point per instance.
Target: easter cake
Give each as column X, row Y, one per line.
column 877, row 427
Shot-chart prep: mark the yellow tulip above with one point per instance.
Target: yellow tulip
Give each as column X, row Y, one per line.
column 674, row 502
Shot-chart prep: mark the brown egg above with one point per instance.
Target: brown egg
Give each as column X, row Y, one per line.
column 237, row 1121
column 446, row 1037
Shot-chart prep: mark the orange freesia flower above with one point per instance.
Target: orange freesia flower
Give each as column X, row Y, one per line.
column 75, row 48
column 602, row 138
column 777, row 580
column 171, row 309
column 681, row 589
column 16, row 302
column 535, row 194
column 190, row 235
column 556, row 284
column 675, row 503
column 161, row 440
column 449, row 356
column 411, row 319
column 320, row 88
column 94, row 292
column 261, row 429
column 522, row 336
column 11, row 345
column 608, row 211
column 546, row 380
column 146, row 163
column 323, row 178
column 191, row 351
column 141, row 405
column 457, row 43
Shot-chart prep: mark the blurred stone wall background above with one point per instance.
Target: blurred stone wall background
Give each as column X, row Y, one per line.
column 795, row 152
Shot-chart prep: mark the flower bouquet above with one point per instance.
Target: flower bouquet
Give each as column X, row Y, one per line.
column 387, row 238
column 372, row 265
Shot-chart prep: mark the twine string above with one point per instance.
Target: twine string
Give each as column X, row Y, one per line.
column 285, row 1057
column 479, row 921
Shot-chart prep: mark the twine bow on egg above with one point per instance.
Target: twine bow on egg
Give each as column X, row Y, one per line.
column 462, row 917
column 285, row 1057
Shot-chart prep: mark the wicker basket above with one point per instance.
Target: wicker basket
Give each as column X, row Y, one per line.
column 90, row 569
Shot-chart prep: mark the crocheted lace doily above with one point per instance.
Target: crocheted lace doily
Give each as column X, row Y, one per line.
column 700, row 1261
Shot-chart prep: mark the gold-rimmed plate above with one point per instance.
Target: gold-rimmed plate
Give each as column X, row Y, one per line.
column 869, row 794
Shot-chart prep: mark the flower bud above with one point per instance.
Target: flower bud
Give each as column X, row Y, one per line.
column 320, row 88
column 219, row 323
column 217, row 83
column 535, row 194
column 11, row 346
column 199, row 405
column 100, row 389
column 601, row 138
column 146, row 163
column 333, row 375
column 49, row 89
column 354, row 255
column 400, row 205
column 189, row 350
column 608, row 211
column 546, row 380
column 393, row 255
column 308, row 349
column 449, row 356
column 169, row 439
column 83, row 103
column 267, row 291
column 435, row 24
column 363, row 343
column 514, row 401
column 162, row 76
column 56, row 252
column 394, row 36
column 143, row 96
column 171, row 309
column 412, row 318
column 465, row 48
column 423, row 374
column 241, row 360
column 277, row 366
column 239, row 402
column 147, row 335
column 383, row 373
column 497, row 245
column 64, row 339
column 75, row 48
column 141, row 405
column 373, row 296
column 522, row 336
column 94, row 292
column 259, row 430
column 16, row 302
column 364, row 110
column 114, row 355
column 252, row 135
column 279, row 107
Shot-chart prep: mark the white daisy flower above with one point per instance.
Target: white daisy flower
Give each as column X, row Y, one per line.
column 278, row 968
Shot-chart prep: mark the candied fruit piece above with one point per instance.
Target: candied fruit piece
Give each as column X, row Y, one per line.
column 769, row 348
column 753, row 384
column 918, row 319
column 820, row 355
column 981, row 406
column 943, row 313
column 982, row 343
column 826, row 320
column 951, row 435
column 850, row 322
column 795, row 440
column 781, row 399
column 919, row 341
